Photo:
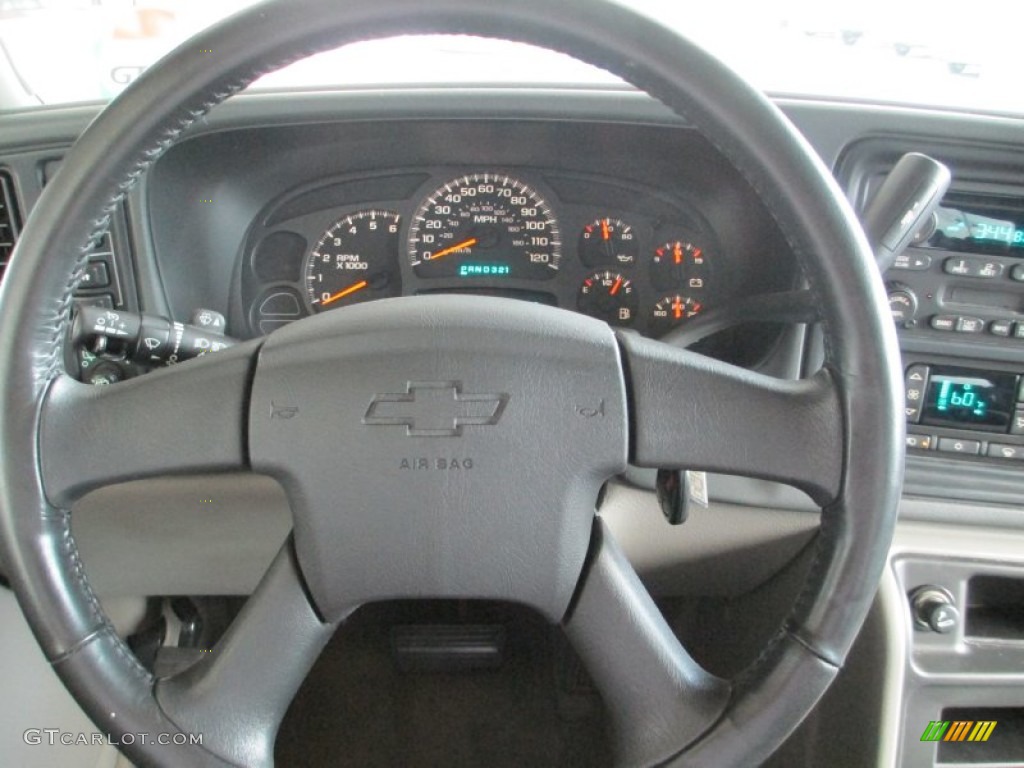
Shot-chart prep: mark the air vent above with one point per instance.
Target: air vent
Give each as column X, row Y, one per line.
column 8, row 220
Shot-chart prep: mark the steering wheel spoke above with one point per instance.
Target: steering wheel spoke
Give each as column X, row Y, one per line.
column 188, row 418
column 659, row 698
column 690, row 411
column 237, row 694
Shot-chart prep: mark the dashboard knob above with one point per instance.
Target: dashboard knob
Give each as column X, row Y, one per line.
column 934, row 609
column 902, row 304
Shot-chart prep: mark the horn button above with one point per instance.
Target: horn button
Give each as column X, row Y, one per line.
column 441, row 446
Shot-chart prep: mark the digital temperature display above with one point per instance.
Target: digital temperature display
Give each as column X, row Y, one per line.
column 960, row 397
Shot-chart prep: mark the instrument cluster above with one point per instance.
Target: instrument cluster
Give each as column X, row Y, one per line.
column 616, row 251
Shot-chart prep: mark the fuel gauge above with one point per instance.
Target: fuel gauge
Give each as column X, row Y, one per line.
column 608, row 296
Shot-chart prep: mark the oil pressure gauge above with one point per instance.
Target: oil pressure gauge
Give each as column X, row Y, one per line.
column 607, row 242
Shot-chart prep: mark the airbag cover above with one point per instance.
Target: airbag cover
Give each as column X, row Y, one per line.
column 441, row 446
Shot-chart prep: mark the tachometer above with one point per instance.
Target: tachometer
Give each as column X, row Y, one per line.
column 355, row 260
column 485, row 225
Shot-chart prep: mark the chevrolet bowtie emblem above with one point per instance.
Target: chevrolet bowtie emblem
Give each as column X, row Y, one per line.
column 435, row 409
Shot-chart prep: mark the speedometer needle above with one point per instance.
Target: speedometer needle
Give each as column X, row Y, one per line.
column 344, row 292
column 469, row 242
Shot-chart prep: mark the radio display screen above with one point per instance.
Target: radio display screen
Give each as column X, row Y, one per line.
column 979, row 225
column 970, row 399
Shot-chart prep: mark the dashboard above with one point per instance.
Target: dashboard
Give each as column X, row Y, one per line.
column 642, row 226
column 624, row 253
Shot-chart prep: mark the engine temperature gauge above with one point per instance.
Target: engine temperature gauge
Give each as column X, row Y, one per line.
column 608, row 296
column 672, row 311
column 679, row 265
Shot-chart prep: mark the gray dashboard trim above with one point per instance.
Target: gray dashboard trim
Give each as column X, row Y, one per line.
column 830, row 125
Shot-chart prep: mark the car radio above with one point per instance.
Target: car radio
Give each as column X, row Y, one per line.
column 964, row 273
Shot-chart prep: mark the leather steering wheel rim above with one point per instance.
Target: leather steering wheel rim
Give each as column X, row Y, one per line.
column 861, row 373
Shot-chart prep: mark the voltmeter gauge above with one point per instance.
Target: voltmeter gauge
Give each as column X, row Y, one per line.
column 679, row 265
column 608, row 296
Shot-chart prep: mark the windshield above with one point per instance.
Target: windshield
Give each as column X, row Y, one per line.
column 915, row 52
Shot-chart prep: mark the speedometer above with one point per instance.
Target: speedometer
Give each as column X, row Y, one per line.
column 485, row 225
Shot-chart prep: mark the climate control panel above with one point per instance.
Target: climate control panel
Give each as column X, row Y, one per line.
column 965, row 411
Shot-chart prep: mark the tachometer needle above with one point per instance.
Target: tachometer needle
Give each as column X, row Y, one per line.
column 469, row 242
column 344, row 292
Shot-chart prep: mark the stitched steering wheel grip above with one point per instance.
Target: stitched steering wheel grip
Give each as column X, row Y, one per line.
column 837, row 435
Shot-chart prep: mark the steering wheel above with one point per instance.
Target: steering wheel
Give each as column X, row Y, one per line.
column 540, row 406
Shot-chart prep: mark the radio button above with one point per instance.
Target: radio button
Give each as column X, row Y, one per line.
column 1003, row 451
column 956, row 445
column 957, row 267
column 944, row 322
column 970, row 325
column 1017, row 273
column 987, row 270
column 1001, row 327
column 1018, row 331
column 915, row 262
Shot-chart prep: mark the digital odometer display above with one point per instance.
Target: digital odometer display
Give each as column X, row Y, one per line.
column 960, row 397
